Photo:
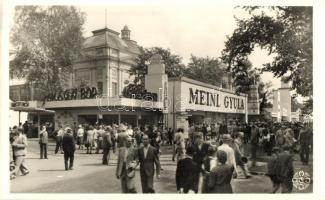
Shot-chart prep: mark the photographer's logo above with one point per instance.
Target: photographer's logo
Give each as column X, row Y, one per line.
column 301, row 180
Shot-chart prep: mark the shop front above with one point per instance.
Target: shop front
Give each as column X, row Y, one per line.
column 195, row 102
column 105, row 111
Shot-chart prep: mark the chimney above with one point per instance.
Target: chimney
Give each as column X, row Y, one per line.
column 125, row 32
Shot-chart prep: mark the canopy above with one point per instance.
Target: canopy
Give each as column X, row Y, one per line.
column 31, row 109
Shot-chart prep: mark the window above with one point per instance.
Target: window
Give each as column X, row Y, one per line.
column 114, row 52
column 114, row 73
column 100, row 87
column 114, row 89
column 82, row 77
column 100, row 51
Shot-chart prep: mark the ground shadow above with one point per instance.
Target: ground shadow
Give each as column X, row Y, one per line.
column 51, row 170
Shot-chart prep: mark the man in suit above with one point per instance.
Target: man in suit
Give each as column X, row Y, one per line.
column 285, row 170
column 304, row 141
column 186, row 168
column 68, row 145
column 43, row 140
column 148, row 157
column 106, row 144
column 200, row 152
column 127, row 161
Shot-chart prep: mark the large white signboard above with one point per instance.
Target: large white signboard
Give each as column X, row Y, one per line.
column 194, row 97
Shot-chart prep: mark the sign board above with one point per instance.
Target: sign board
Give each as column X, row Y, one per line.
column 19, row 104
column 196, row 97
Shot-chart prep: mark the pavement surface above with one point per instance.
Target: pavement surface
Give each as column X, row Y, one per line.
column 90, row 176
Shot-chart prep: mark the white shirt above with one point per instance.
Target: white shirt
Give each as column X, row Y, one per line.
column 129, row 132
column 231, row 160
column 80, row 132
column 145, row 151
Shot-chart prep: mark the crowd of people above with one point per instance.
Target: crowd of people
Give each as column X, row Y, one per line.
column 211, row 151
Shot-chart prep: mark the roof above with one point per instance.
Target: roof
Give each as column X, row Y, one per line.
column 31, row 109
column 112, row 40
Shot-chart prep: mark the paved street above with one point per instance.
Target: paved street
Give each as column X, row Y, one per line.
column 90, row 176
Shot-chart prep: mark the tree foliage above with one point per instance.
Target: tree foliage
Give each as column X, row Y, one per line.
column 285, row 33
column 46, row 41
column 208, row 70
column 173, row 63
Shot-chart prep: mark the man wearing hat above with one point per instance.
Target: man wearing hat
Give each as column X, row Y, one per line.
column 231, row 159
column 122, row 136
column 68, row 145
column 126, row 163
column 106, row 144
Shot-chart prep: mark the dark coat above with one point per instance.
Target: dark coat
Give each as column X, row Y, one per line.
column 107, row 141
column 219, row 179
column 200, row 154
column 147, row 164
column 185, row 170
column 68, row 144
column 285, row 165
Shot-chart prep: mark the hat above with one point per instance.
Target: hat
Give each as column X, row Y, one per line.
column 80, row 126
column 67, row 128
column 226, row 137
column 122, row 127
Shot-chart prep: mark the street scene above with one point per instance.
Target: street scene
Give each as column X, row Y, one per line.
column 117, row 99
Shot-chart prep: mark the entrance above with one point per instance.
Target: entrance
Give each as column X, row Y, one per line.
column 87, row 119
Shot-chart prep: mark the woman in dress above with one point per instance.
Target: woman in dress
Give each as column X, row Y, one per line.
column 90, row 139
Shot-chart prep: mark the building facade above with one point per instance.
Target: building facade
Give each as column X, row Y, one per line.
column 94, row 91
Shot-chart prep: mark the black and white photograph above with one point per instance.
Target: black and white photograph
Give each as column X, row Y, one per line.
column 162, row 98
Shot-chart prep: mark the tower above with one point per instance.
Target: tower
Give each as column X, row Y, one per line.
column 125, row 33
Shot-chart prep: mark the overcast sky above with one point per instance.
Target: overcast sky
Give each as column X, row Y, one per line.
column 200, row 30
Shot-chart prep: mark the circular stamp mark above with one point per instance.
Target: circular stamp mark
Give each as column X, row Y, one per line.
column 301, row 180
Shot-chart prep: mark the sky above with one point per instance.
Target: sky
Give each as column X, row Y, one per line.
column 200, row 30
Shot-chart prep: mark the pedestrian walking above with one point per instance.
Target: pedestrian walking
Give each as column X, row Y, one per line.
column 209, row 162
column 80, row 136
column 179, row 145
column 231, row 159
column 239, row 154
column 19, row 146
column 68, row 145
column 272, row 168
column 43, row 141
column 106, row 144
column 285, row 170
column 185, row 170
column 122, row 136
column 100, row 133
column 58, row 140
column 304, row 142
column 148, row 158
column 90, row 139
column 127, row 161
column 138, row 134
column 220, row 176
column 200, row 152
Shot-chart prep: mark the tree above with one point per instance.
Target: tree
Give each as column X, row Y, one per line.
column 173, row 63
column 46, row 41
column 208, row 70
column 285, row 33
column 264, row 92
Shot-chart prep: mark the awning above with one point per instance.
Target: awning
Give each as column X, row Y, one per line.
column 31, row 109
